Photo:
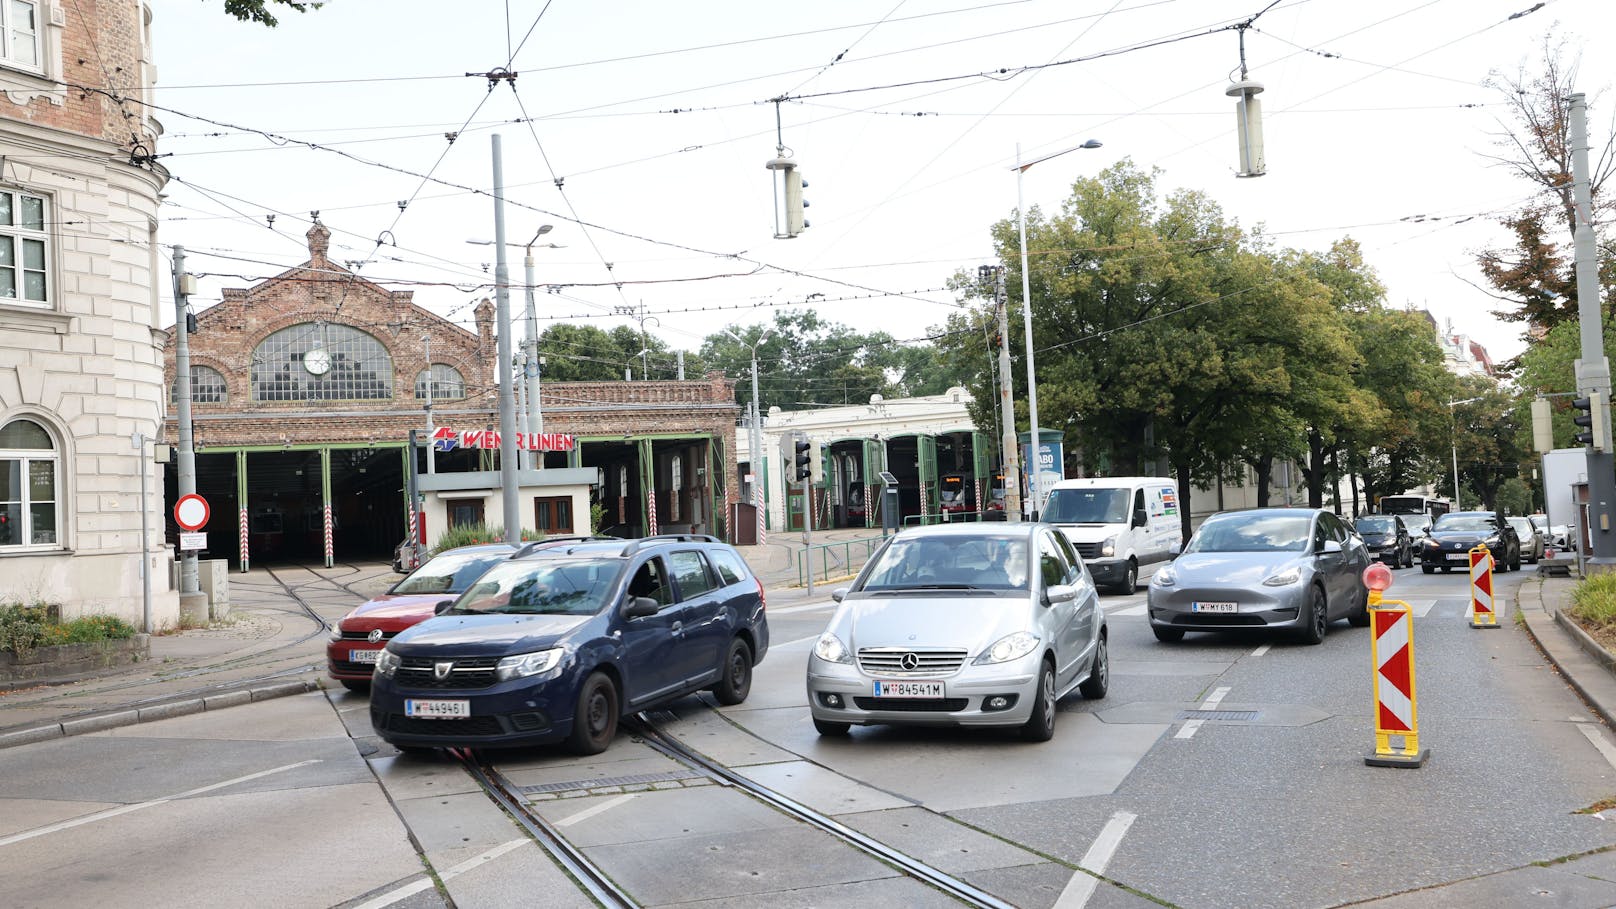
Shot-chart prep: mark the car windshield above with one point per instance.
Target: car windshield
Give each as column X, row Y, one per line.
column 1464, row 523
column 1087, row 506
column 1260, row 532
column 450, row 572
column 548, row 587
column 1386, row 524
column 950, row 563
column 1522, row 526
column 1417, row 523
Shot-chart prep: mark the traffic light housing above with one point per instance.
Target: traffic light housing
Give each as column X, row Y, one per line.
column 788, row 200
column 802, row 459
column 1594, row 418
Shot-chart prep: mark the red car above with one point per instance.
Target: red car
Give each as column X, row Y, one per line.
column 360, row 635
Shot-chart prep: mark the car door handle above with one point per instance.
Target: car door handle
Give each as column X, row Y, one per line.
column 678, row 628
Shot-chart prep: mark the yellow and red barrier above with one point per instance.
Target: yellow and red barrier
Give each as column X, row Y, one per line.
column 1397, row 726
column 1482, row 612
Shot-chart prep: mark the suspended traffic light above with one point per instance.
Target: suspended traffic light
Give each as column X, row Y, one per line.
column 788, row 201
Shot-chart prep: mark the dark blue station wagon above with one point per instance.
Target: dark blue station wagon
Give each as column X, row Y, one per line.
column 556, row 645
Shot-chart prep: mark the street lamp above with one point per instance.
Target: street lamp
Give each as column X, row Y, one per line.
column 1453, row 420
column 530, row 344
column 1035, row 470
column 756, row 443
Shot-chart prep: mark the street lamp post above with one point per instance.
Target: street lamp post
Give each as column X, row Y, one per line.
column 1035, row 471
column 755, row 444
column 1453, row 419
column 530, row 343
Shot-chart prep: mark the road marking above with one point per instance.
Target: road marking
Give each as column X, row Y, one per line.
column 1082, row 884
column 1592, row 734
column 125, row 809
column 1188, row 729
column 805, row 607
column 1212, row 701
column 793, row 643
column 1131, row 610
column 425, row 883
column 590, row 812
column 1261, row 650
column 1419, row 608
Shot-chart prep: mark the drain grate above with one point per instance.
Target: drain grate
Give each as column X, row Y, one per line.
column 1216, row 716
column 635, row 779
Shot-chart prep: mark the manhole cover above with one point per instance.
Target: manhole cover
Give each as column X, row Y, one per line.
column 1216, row 716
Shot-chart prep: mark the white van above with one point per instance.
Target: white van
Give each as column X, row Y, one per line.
column 1117, row 524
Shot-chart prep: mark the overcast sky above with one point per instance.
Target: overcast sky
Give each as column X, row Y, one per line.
column 655, row 119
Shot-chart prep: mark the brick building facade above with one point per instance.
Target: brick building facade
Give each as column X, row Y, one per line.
column 81, row 393
column 305, row 388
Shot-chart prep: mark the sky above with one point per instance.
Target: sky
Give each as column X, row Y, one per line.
column 640, row 131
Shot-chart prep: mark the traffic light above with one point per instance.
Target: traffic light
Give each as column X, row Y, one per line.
column 1594, row 418
column 802, row 459
column 788, row 200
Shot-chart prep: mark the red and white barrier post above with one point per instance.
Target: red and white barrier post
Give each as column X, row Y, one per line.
column 1482, row 610
column 1391, row 648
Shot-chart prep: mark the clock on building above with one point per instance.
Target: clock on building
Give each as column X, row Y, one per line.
column 317, row 361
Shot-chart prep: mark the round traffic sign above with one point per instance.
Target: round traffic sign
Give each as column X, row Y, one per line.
column 191, row 512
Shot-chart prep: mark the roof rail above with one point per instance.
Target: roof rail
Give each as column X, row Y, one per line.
column 636, row 545
column 547, row 541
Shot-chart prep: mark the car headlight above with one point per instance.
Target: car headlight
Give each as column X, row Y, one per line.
column 334, row 631
column 387, row 663
column 1109, row 547
column 1490, row 542
column 523, row 665
column 1164, row 577
column 830, row 648
column 1010, row 647
column 1284, row 578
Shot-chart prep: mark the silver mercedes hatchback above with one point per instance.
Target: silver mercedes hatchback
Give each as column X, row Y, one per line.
column 961, row 625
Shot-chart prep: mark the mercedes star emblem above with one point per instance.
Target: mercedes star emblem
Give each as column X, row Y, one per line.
column 909, row 661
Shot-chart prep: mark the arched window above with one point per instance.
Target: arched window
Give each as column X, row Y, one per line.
column 321, row 361
column 207, row 386
column 28, row 490
column 447, row 383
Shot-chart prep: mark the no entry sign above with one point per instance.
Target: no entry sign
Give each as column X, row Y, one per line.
column 191, row 512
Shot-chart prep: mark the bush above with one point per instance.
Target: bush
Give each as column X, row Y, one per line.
column 473, row 534
column 1594, row 600
column 23, row 628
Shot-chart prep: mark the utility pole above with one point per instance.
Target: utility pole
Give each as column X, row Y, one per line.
column 190, row 585
column 507, row 398
column 431, row 383
column 535, row 417
column 756, row 438
column 1593, row 370
column 1009, row 451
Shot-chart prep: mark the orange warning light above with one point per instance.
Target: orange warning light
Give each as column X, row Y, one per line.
column 1377, row 577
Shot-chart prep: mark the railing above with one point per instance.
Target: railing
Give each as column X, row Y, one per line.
column 951, row 517
column 835, row 560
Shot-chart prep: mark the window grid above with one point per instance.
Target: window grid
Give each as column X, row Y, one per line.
column 23, row 247
column 28, row 493
column 207, row 387
column 447, row 383
column 19, row 28
column 360, row 366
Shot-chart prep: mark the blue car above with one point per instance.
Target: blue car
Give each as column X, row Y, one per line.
column 557, row 644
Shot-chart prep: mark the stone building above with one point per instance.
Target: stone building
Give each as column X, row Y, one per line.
column 305, row 389
column 81, row 370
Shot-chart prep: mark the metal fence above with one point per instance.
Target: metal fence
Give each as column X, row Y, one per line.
column 952, row 517
column 835, row 560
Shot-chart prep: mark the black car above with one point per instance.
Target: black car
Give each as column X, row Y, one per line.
column 557, row 644
column 1388, row 539
column 1454, row 534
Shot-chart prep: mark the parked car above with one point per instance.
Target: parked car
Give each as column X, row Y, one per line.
column 1294, row 568
column 1454, row 534
column 1387, row 538
column 1118, row 524
column 557, row 643
column 1532, row 542
column 961, row 625
column 358, row 637
column 1555, row 535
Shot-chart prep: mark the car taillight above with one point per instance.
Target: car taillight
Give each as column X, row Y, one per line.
column 763, row 600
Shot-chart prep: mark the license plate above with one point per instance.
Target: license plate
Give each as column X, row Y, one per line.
column 1214, row 607
column 437, row 710
column 909, row 689
column 1458, row 556
column 364, row 656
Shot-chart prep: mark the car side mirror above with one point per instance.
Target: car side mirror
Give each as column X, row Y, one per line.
column 1060, row 593
column 1331, row 546
column 1175, row 550
column 443, row 607
column 641, row 607
column 1140, row 519
column 839, row 594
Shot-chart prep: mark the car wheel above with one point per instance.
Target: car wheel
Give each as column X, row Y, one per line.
column 1428, row 569
column 361, row 686
column 1040, row 727
column 1318, row 618
column 1515, row 563
column 1359, row 617
column 1130, row 578
column 735, row 675
column 1408, row 558
column 1099, row 679
column 594, row 720
column 828, row 728
column 1167, row 634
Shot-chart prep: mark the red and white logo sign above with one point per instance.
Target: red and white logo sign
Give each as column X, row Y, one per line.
column 1394, row 672
column 191, row 512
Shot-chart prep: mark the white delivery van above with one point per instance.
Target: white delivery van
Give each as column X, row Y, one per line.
column 1118, row 524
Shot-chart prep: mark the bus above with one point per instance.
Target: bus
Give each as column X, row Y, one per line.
column 1429, row 505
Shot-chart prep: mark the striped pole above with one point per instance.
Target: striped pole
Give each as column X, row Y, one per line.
column 757, row 498
column 1391, row 648
column 328, row 546
column 1482, row 614
column 243, row 535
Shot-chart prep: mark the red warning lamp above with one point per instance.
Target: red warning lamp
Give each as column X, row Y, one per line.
column 1377, row 577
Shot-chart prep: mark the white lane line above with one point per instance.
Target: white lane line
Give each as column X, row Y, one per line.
column 1261, row 650
column 1082, row 885
column 1420, row 608
column 1214, row 699
column 1187, row 731
column 805, row 607
column 425, row 883
column 125, row 809
column 1592, row 734
column 1131, row 610
column 593, row 810
column 794, row 643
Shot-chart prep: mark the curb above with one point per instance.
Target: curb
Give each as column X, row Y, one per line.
column 129, row 716
column 1588, row 647
column 1586, row 642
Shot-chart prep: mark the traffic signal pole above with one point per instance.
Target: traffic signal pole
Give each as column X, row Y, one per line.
column 1593, row 370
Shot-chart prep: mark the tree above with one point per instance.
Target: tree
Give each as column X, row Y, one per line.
column 259, row 10
column 806, row 361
